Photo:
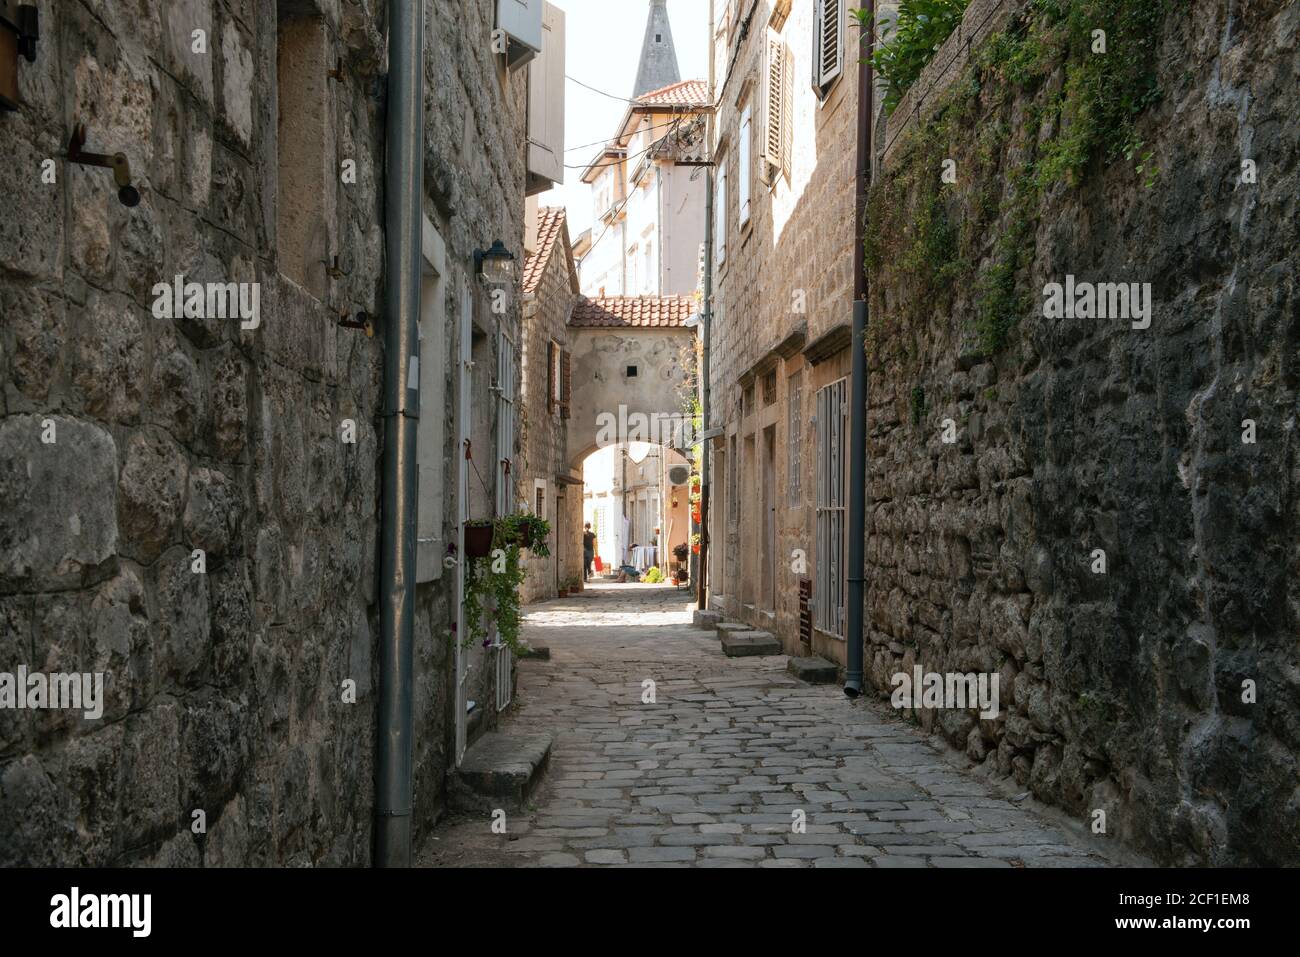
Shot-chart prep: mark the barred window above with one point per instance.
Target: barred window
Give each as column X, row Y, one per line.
column 794, row 439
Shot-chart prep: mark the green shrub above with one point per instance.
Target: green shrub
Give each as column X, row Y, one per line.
column 921, row 28
column 654, row 576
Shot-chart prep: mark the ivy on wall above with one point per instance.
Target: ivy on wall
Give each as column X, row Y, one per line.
column 1047, row 103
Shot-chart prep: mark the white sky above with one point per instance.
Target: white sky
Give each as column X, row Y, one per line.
column 602, row 49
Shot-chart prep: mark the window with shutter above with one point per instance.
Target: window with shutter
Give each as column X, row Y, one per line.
column 550, row 376
column 787, row 113
column 828, row 45
column 566, row 383
column 742, row 172
column 720, row 215
column 774, row 112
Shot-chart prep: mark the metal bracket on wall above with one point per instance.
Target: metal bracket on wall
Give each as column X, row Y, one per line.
column 337, row 73
column 334, row 270
column 117, row 162
column 360, row 321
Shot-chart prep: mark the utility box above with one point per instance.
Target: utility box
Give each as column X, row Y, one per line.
column 521, row 22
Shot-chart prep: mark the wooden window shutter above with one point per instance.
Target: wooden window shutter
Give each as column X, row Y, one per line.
column 566, row 384
column 828, row 43
column 773, row 134
column 550, row 377
column 787, row 112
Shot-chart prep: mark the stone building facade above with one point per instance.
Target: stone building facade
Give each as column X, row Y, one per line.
column 547, row 485
column 190, row 505
column 783, row 144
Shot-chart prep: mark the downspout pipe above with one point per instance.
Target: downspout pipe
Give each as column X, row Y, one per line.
column 706, row 319
column 853, row 677
column 403, row 209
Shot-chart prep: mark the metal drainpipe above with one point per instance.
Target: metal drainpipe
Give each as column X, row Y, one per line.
column 706, row 317
column 858, row 381
column 404, row 186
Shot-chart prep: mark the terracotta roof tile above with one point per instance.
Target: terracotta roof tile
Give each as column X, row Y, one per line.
column 685, row 93
column 550, row 220
column 646, row 312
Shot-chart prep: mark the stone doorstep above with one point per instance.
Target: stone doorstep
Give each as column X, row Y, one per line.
column 704, row 618
column 749, row 643
column 732, row 628
column 500, row 771
column 815, row 670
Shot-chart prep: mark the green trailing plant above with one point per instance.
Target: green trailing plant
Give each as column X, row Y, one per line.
column 1044, row 91
column 909, row 45
column 492, row 582
column 654, row 576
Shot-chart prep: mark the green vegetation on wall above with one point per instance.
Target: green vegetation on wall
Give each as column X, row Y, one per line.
column 1083, row 72
column 908, row 45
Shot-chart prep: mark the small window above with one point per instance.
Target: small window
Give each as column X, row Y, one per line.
column 631, row 372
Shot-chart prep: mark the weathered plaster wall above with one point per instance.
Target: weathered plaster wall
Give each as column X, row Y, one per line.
column 1121, row 691
column 600, row 382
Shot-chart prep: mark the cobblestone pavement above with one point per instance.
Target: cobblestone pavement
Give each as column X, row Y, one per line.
column 712, row 773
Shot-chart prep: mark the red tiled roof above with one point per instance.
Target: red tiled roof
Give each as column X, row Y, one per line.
column 646, row 312
column 684, row 93
column 550, row 221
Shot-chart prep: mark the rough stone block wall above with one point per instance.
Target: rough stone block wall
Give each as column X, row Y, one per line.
column 172, row 435
column 223, row 689
column 543, row 430
column 1125, row 691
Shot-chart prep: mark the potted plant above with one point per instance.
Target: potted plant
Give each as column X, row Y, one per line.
column 695, row 542
column 525, row 530
column 478, row 538
column 492, row 592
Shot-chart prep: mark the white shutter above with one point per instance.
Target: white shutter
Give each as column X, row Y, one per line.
column 720, row 216
column 522, row 21
column 742, row 173
column 774, row 112
column 546, row 100
column 787, row 113
column 828, row 43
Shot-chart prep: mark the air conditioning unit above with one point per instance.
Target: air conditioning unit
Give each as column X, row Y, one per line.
column 521, row 22
column 679, row 474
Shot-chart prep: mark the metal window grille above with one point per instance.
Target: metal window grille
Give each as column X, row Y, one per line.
column 505, row 389
column 794, row 442
column 832, row 429
column 505, row 676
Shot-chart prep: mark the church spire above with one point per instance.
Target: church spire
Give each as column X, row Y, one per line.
column 658, row 56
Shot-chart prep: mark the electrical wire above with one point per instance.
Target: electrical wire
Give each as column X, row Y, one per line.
column 618, row 210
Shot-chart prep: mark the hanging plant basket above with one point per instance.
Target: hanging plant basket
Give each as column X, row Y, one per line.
column 478, row 539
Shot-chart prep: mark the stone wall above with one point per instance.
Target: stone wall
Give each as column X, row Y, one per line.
column 224, row 687
column 1126, row 691
column 786, row 283
column 543, row 429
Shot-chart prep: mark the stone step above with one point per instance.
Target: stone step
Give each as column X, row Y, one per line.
column 500, row 771
column 814, row 670
column 747, row 643
column 705, row 618
column 732, row 628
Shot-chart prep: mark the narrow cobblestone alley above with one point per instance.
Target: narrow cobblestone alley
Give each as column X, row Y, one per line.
column 712, row 772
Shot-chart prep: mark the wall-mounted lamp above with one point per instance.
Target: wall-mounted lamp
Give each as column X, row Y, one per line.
column 495, row 264
column 19, row 32
column 118, row 163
